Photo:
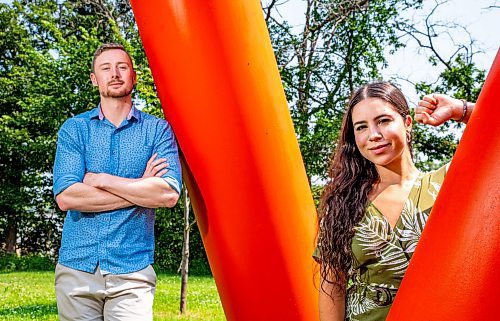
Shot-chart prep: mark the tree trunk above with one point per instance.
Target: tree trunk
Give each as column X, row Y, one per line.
column 10, row 240
column 185, row 254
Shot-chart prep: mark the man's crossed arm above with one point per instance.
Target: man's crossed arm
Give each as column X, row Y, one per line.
column 104, row 192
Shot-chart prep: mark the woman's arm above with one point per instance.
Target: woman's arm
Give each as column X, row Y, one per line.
column 331, row 302
column 435, row 109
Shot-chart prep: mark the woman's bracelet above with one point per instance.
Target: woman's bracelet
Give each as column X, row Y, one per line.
column 465, row 110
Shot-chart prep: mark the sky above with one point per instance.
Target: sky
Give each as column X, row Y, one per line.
column 481, row 23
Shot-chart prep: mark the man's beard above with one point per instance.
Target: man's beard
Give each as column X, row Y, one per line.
column 109, row 93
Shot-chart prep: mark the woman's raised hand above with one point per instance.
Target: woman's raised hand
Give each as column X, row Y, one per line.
column 435, row 109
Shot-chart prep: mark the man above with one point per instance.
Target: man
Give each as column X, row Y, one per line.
column 113, row 166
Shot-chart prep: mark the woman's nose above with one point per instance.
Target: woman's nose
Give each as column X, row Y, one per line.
column 374, row 133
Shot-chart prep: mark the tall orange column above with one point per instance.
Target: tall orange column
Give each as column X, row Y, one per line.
column 454, row 274
column 220, row 88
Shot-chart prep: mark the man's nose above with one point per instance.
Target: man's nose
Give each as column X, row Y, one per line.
column 115, row 72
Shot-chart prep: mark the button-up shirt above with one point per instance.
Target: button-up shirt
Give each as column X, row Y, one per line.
column 120, row 241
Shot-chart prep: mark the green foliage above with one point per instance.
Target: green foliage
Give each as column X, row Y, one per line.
column 461, row 79
column 46, row 53
column 341, row 46
column 28, row 120
column 317, row 190
column 169, row 231
column 12, row 262
column 31, row 296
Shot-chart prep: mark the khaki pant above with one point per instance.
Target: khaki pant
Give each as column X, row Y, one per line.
column 111, row 297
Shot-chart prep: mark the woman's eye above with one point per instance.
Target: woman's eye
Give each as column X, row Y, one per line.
column 360, row 128
column 384, row 120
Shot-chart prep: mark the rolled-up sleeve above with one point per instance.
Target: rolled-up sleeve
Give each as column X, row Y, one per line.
column 166, row 147
column 69, row 164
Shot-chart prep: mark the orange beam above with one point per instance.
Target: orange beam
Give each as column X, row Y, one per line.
column 454, row 273
column 220, row 88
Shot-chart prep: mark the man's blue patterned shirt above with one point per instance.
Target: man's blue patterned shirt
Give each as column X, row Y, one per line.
column 120, row 241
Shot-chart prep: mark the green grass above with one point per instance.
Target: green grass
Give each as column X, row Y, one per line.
column 31, row 296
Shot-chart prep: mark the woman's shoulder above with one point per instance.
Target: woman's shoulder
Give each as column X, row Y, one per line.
column 430, row 183
column 437, row 175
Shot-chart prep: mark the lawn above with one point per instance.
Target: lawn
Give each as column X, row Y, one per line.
column 30, row 296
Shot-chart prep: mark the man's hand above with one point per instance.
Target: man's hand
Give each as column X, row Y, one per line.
column 155, row 167
column 94, row 179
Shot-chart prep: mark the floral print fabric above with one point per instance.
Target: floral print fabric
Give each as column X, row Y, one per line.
column 382, row 253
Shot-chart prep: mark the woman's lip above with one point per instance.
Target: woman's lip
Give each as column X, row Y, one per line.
column 379, row 148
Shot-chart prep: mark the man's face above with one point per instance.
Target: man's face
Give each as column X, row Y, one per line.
column 113, row 74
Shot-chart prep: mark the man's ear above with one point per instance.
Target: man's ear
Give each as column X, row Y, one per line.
column 93, row 79
column 135, row 78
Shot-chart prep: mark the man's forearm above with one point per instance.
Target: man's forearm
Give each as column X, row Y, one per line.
column 152, row 192
column 84, row 198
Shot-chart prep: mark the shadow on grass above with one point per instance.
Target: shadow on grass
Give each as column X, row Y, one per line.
column 33, row 311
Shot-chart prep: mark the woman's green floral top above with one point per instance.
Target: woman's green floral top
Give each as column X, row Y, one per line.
column 382, row 253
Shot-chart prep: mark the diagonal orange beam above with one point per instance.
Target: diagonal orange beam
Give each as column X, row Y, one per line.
column 220, row 88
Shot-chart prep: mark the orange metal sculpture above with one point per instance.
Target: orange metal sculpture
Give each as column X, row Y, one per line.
column 220, row 88
column 217, row 79
column 454, row 273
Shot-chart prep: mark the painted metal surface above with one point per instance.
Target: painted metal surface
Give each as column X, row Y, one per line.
column 220, row 88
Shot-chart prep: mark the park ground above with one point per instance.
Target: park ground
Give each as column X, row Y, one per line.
column 31, row 296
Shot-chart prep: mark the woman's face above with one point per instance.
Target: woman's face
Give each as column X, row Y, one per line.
column 380, row 131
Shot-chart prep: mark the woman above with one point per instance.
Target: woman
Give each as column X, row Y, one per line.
column 376, row 203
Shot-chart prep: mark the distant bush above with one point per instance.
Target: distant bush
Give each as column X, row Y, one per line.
column 14, row 263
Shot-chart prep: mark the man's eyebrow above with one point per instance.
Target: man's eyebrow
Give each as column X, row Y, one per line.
column 118, row 63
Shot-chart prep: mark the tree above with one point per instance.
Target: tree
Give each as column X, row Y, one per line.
column 459, row 77
column 341, row 45
column 27, row 122
column 184, row 266
column 47, row 48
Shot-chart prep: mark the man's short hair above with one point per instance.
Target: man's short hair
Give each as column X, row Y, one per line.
column 109, row 46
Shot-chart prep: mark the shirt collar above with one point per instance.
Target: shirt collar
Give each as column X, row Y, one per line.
column 97, row 113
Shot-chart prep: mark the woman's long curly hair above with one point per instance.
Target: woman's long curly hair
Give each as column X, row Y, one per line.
column 345, row 197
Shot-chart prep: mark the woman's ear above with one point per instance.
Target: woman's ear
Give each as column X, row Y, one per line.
column 408, row 121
